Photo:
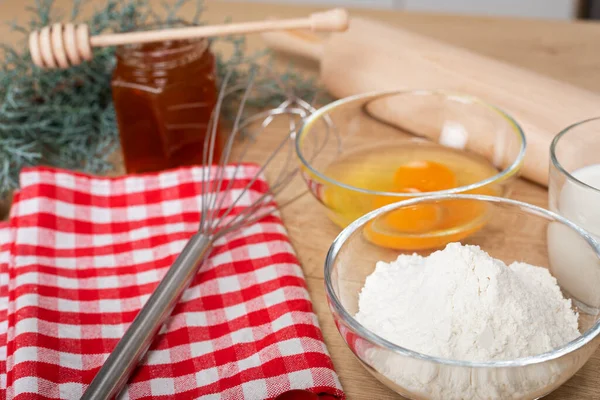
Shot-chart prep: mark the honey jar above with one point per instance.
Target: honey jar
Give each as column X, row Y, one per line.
column 164, row 94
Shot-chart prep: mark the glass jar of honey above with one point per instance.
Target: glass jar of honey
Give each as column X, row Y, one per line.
column 164, row 94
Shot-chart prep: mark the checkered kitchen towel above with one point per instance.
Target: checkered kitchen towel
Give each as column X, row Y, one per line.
column 4, row 253
column 84, row 253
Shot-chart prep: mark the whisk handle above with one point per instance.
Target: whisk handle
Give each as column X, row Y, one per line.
column 120, row 364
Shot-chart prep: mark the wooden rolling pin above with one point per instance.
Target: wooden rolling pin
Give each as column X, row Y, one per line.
column 373, row 56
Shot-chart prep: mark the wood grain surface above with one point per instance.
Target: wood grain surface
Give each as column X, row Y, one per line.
column 563, row 50
column 385, row 57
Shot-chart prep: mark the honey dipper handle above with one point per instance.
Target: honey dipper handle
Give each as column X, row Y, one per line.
column 64, row 45
column 327, row 21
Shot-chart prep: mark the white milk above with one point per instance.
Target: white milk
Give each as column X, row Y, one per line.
column 572, row 261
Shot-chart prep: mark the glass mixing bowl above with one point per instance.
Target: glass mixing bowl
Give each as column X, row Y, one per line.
column 514, row 231
column 368, row 133
column 574, row 170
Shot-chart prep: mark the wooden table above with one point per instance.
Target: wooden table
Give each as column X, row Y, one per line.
column 567, row 51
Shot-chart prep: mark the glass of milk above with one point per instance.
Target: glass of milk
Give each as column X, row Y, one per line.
column 574, row 192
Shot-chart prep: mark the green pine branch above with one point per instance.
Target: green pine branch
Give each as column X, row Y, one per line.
column 65, row 118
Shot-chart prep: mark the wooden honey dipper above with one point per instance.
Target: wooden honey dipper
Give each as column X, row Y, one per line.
column 64, row 45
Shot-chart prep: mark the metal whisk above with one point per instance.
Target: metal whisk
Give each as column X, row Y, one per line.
column 214, row 224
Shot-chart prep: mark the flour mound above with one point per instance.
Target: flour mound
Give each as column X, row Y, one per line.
column 462, row 304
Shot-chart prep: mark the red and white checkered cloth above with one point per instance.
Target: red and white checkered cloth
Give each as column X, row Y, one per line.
column 82, row 254
column 5, row 241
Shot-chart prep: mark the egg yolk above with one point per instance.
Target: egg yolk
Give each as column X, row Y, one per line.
column 396, row 240
column 417, row 177
column 414, row 219
column 409, row 227
column 423, row 176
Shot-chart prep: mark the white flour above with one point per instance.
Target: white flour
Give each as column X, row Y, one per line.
column 462, row 304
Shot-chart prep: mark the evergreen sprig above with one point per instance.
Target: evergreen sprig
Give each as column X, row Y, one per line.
column 65, row 118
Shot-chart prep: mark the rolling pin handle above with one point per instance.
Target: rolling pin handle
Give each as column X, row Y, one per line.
column 297, row 43
column 336, row 20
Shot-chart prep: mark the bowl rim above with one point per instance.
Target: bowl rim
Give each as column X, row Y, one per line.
column 320, row 113
column 348, row 319
column 556, row 162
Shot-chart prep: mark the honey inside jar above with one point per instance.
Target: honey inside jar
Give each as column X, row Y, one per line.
column 164, row 94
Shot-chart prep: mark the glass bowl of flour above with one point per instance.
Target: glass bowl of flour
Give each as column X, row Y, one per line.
column 483, row 318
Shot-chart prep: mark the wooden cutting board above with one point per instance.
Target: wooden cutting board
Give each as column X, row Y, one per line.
column 372, row 56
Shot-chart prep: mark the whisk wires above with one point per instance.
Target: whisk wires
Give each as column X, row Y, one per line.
column 218, row 180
